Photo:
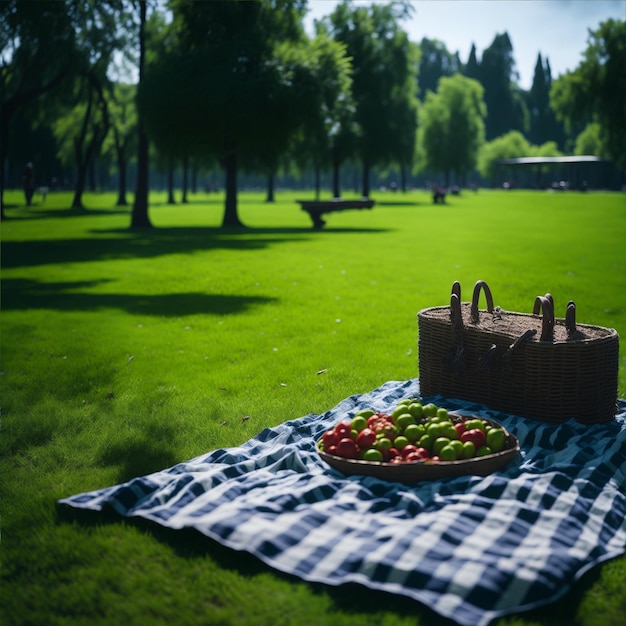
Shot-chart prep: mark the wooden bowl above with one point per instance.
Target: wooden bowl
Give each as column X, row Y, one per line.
column 418, row 471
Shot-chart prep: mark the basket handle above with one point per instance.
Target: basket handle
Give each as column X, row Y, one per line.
column 570, row 318
column 455, row 311
column 481, row 285
column 545, row 304
column 456, row 289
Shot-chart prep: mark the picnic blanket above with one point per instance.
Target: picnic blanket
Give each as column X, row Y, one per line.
column 471, row 548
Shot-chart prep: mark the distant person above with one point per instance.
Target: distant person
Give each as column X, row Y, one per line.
column 28, row 181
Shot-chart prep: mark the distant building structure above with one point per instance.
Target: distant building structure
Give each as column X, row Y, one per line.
column 564, row 172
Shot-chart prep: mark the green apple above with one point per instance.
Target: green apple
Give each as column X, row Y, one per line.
column 469, row 450
column 372, row 454
column 483, row 451
column 414, row 431
column 474, row 423
column 430, row 409
column 447, row 453
column 458, row 448
column 366, row 413
column 495, row 439
column 442, row 413
column 447, row 429
column 440, row 443
column 359, row 422
column 400, row 441
column 384, row 443
column 426, row 441
column 416, row 409
column 433, row 429
column 404, row 420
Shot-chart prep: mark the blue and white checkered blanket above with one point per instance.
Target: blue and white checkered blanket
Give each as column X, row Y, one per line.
column 472, row 548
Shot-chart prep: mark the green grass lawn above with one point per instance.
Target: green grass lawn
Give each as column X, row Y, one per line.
column 125, row 352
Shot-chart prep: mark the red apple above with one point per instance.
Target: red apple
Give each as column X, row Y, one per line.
column 329, row 439
column 476, row 436
column 366, row 438
column 347, row 448
column 460, row 428
column 343, row 429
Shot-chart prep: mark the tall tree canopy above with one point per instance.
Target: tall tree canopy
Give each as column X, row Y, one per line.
column 230, row 87
column 326, row 139
column 29, row 32
column 384, row 78
column 596, row 89
column 543, row 125
column 452, row 127
column 436, row 61
column 505, row 107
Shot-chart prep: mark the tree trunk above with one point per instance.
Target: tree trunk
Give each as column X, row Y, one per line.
column 121, row 187
column 92, row 175
column 170, row 184
column 231, row 218
column 81, row 166
column 140, row 217
column 185, row 178
column 366, row 180
column 270, row 187
column 336, row 164
column 317, row 182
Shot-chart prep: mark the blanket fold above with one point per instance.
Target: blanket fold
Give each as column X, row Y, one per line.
column 471, row 548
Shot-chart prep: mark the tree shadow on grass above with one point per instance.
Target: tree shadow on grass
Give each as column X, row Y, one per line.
column 143, row 453
column 39, row 210
column 125, row 244
column 149, row 243
column 21, row 294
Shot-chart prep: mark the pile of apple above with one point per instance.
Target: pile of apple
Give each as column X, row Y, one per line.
column 412, row 432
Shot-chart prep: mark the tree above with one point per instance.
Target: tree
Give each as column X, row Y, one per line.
column 29, row 32
column 435, row 61
column 590, row 141
column 543, row 125
column 81, row 131
column 140, row 217
column 232, row 89
column 505, row 108
column 472, row 67
column 123, row 136
column 511, row 145
column 384, row 78
column 596, row 89
column 322, row 138
column 451, row 128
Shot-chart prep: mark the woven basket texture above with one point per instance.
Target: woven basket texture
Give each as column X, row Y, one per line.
column 499, row 359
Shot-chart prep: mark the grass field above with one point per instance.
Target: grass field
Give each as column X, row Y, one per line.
column 125, row 352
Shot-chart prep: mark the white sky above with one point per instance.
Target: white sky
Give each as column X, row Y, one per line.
column 558, row 29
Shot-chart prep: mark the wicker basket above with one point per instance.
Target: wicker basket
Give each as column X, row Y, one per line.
column 526, row 364
column 418, row 471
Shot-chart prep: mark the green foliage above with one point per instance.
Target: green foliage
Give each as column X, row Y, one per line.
column 126, row 352
column 505, row 108
column 384, row 85
column 510, row 146
column 596, row 89
column 590, row 141
column 452, row 129
column 435, row 62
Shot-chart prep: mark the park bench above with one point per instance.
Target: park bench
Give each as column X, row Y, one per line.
column 316, row 208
